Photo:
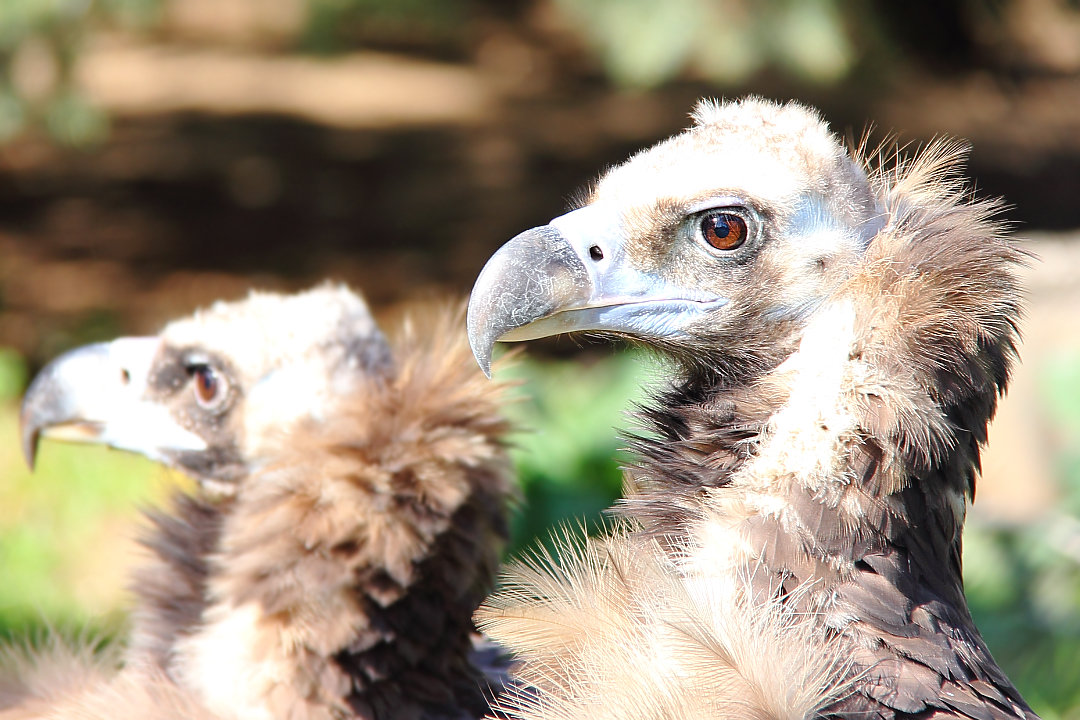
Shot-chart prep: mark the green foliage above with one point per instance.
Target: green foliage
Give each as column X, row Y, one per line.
column 1023, row 583
column 567, row 454
column 12, row 114
column 1061, row 397
column 64, row 526
column 21, row 18
column 72, row 120
column 131, row 13
column 40, row 41
column 12, row 375
column 643, row 44
column 1023, row 587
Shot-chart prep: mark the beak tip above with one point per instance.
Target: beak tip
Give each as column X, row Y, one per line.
column 30, row 421
column 29, row 449
column 483, row 359
column 478, row 327
column 481, row 349
column 31, row 435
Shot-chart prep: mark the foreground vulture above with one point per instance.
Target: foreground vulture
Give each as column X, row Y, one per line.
column 349, row 518
column 791, row 543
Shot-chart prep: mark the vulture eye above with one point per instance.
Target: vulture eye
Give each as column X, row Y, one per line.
column 209, row 386
column 724, row 230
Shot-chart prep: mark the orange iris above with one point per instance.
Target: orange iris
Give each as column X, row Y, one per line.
column 724, row 230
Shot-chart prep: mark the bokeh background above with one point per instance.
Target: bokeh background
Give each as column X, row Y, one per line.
column 158, row 154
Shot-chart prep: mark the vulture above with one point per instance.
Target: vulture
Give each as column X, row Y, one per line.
column 350, row 511
column 838, row 326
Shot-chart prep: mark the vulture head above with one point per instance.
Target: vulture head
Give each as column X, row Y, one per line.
column 714, row 246
column 213, row 393
column 839, row 333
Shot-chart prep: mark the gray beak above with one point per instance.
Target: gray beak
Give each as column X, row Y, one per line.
column 528, row 279
column 97, row 393
column 573, row 275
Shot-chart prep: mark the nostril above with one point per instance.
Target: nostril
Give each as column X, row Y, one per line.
column 596, row 253
column 125, row 376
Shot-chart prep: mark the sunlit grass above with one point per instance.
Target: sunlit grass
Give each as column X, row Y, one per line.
column 67, row 530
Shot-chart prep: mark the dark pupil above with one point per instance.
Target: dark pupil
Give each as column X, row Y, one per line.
column 724, row 231
column 207, row 383
column 721, row 227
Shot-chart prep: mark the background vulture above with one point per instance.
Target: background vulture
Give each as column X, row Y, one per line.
column 839, row 336
column 350, row 514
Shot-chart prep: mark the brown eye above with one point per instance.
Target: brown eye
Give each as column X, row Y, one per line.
column 724, row 230
column 209, row 387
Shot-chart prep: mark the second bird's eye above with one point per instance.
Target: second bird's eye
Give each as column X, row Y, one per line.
column 724, row 230
column 209, row 387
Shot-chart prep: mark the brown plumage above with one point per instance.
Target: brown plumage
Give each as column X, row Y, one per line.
column 350, row 517
column 839, row 338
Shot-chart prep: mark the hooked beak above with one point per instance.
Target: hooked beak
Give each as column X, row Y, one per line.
column 572, row 275
column 97, row 393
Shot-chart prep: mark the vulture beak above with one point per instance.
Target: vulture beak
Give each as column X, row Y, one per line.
column 97, row 393
column 571, row 275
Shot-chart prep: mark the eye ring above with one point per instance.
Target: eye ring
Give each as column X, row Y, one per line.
column 208, row 385
column 723, row 229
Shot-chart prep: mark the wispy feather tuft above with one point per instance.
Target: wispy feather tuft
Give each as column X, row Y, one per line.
column 615, row 628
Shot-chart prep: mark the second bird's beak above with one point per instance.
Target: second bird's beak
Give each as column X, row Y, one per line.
column 97, row 393
column 572, row 275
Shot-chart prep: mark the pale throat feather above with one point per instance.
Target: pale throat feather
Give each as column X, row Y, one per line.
column 229, row 662
column 804, row 449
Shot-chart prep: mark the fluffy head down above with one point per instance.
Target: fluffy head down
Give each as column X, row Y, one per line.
column 786, row 156
column 815, row 208
column 289, row 356
column 266, row 331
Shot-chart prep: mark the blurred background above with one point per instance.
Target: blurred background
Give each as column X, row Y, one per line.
column 158, row 154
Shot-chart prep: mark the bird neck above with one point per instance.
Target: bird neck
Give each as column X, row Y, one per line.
column 783, row 475
column 345, row 572
column 171, row 587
